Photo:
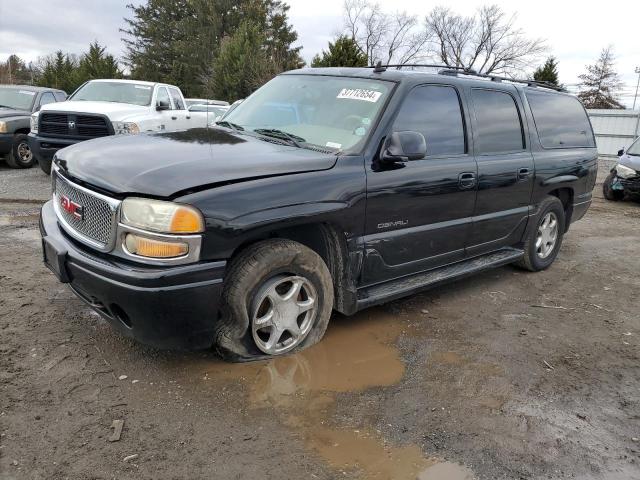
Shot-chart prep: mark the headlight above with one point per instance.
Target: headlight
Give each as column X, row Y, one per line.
column 159, row 216
column 625, row 172
column 3, row 127
column 34, row 123
column 126, row 128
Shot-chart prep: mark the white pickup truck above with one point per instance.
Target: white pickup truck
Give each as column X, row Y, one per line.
column 109, row 107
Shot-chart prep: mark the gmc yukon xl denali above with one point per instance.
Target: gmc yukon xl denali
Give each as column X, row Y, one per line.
column 327, row 189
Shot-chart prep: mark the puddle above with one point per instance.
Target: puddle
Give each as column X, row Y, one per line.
column 357, row 353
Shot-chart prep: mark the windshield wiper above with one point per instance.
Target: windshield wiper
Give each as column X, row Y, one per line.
column 235, row 126
column 295, row 140
column 5, row 106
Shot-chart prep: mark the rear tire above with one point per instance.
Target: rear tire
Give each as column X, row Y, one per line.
column 21, row 155
column 608, row 192
column 251, row 295
column 544, row 240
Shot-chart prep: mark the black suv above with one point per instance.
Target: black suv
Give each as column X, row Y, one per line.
column 17, row 103
column 327, row 189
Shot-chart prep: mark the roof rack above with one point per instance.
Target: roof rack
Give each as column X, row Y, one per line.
column 455, row 71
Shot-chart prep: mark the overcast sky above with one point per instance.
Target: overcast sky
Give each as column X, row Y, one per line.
column 575, row 34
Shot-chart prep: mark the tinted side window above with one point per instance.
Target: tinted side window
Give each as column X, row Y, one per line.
column 499, row 126
column 560, row 120
column 177, row 99
column 434, row 111
column 47, row 97
column 163, row 97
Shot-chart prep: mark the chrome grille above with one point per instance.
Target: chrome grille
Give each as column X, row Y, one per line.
column 96, row 225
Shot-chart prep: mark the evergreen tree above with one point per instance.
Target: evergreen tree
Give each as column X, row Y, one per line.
column 343, row 52
column 97, row 64
column 178, row 41
column 547, row 72
column 601, row 84
column 59, row 71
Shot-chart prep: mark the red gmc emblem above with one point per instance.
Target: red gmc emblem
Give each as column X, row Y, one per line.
column 72, row 207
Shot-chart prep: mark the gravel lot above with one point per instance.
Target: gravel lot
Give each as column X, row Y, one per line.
column 504, row 375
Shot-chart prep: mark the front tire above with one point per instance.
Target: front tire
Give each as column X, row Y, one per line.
column 544, row 240
column 21, row 155
column 277, row 299
column 608, row 192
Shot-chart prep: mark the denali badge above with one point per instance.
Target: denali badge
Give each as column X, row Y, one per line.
column 71, row 125
column 396, row 224
column 72, row 207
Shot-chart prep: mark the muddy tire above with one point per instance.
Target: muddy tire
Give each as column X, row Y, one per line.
column 271, row 287
column 20, row 155
column 544, row 241
column 45, row 165
column 608, row 192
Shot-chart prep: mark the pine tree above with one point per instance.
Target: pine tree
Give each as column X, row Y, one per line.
column 96, row 63
column 59, row 71
column 548, row 72
column 343, row 52
column 178, row 41
column 601, row 84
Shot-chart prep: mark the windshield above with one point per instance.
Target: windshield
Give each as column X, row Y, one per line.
column 634, row 149
column 16, row 98
column 118, row 92
column 336, row 113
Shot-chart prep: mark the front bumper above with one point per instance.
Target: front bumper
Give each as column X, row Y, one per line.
column 631, row 186
column 44, row 148
column 165, row 307
column 6, row 143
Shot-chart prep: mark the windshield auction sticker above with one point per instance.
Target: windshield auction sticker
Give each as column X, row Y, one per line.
column 360, row 94
column 26, row 92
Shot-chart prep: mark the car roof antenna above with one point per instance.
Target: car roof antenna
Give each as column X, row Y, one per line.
column 379, row 67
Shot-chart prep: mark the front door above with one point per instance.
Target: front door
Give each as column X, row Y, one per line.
column 505, row 170
column 419, row 212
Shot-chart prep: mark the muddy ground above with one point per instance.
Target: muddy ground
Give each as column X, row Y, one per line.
column 505, row 375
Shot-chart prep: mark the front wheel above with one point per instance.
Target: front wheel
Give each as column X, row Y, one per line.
column 543, row 242
column 278, row 298
column 21, row 155
column 608, row 191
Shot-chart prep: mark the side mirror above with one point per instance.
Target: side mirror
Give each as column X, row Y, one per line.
column 162, row 105
column 621, row 152
column 404, row 146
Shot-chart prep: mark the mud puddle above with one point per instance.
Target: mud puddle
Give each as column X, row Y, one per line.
column 356, row 354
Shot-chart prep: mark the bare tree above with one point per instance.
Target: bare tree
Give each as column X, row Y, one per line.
column 388, row 37
column 488, row 42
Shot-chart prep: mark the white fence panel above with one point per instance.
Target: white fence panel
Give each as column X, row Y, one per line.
column 614, row 129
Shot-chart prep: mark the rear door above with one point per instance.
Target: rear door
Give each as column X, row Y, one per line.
column 419, row 212
column 181, row 115
column 505, row 169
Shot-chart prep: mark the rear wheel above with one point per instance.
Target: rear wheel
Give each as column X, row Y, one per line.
column 278, row 298
column 607, row 190
column 20, row 155
column 543, row 243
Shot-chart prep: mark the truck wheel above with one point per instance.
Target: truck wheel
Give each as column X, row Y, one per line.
column 608, row 192
column 21, row 155
column 45, row 165
column 543, row 243
column 277, row 298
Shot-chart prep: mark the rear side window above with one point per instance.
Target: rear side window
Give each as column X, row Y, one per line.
column 434, row 111
column 560, row 120
column 499, row 128
column 177, row 99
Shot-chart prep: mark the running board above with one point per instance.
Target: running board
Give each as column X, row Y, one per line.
column 404, row 286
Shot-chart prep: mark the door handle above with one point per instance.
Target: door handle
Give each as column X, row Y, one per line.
column 174, row 118
column 188, row 117
column 524, row 173
column 466, row 180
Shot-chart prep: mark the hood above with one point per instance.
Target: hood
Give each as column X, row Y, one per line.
column 630, row 161
column 112, row 110
column 163, row 164
column 10, row 112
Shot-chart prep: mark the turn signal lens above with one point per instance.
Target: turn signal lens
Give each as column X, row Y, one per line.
column 186, row 220
column 146, row 247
